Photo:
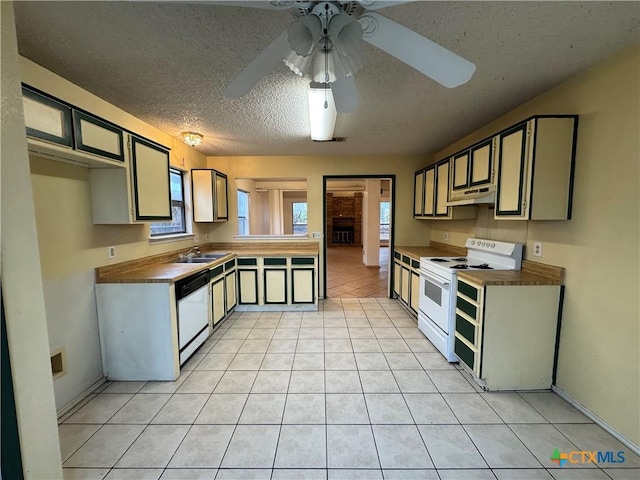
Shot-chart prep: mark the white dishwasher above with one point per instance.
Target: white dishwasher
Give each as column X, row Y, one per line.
column 192, row 297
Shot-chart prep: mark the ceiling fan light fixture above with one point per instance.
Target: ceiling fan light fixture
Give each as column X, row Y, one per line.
column 322, row 113
column 192, row 139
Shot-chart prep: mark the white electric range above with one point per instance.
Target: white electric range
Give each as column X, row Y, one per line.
column 438, row 286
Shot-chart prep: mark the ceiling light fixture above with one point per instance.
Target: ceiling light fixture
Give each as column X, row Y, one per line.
column 322, row 112
column 192, row 138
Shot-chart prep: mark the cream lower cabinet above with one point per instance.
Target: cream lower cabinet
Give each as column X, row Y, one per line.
column 406, row 280
column 506, row 334
column 277, row 283
column 230, row 286
column 223, row 291
column 218, row 295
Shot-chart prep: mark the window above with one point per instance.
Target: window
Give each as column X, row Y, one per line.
column 243, row 212
column 178, row 223
column 299, row 218
column 384, row 220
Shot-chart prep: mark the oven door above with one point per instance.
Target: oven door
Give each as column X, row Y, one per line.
column 435, row 298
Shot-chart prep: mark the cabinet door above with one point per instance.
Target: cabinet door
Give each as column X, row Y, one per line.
column 429, row 191
column 460, row 174
column 397, row 278
column 405, row 287
column 303, row 285
column 46, row 118
column 418, row 194
column 218, row 310
column 247, row 286
column 442, row 189
column 230, row 290
column 481, row 164
column 511, row 173
column 275, row 285
column 221, row 199
column 150, row 172
column 202, row 186
column 415, row 291
column 93, row 135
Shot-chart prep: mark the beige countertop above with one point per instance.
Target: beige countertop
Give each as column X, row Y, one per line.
column 163, row 269
column 434, row 250
column 506, row 277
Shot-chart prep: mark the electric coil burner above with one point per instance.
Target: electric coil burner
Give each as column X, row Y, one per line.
column 438, row 285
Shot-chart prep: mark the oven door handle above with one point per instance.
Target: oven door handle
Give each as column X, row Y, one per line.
column 436, row 280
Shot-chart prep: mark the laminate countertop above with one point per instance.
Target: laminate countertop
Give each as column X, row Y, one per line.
column 164, row 269
column 506, row 277
column 417, row 252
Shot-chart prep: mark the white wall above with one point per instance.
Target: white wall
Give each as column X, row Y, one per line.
column 21, row 281
column 599, row 359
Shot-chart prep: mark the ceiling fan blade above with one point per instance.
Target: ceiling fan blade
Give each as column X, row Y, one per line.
column 377, row 4
column 345, row 94
column 429, row 58
column 259, row 67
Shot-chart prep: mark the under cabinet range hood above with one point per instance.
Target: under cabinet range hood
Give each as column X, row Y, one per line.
column 474, row 196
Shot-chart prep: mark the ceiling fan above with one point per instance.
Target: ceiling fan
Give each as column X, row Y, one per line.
column 326, row 44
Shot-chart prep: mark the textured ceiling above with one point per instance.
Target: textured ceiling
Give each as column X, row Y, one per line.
column 168, row 64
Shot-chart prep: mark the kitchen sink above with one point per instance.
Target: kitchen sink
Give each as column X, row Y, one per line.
column 212, row 256
column 195, row 260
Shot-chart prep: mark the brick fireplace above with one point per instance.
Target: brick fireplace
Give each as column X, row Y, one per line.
column 344, row 218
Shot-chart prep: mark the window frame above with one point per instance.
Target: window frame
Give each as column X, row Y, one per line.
column 388, row 224
column 248, row 232
column 181, row 204
column 294, row 224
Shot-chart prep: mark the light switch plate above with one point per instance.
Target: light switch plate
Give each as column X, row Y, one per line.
column 111, row 252
column 316, row 235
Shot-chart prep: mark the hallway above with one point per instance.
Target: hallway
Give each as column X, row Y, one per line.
column 348, row 277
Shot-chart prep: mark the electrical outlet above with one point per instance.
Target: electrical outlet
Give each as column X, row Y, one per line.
column 316, row 235
column 206, row 236
column 196, row 238
column 446, row 235
column 537, row 249
column 111, row 252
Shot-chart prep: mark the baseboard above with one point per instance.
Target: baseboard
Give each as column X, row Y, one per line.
column 588, row 413
column 74, row 403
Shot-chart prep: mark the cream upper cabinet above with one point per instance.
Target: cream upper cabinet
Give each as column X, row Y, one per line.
column 137, row 193
column 481, row 163
column 210, row 202
column 442, row 189
column 429, row 194
column 535, row 169
column 96, row 136
column 46, row 118
column 460, row 171
column 418, row 194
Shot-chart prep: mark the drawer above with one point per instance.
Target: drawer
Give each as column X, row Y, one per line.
column 230, row 264
column 468, row 308
column 302, row 261
column 281, row 262
column 397, row 255
column 415, row 264
column 465, row 328
column 248, row 261
column 468, row 290
column 464, row 353
column 406, row 260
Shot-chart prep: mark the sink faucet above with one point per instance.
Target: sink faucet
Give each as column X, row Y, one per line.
column 190, row 254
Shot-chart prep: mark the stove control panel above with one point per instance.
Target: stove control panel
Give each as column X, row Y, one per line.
column 503, row 248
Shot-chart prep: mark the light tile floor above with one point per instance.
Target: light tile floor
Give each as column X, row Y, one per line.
column 348, row 277
column 353, row 391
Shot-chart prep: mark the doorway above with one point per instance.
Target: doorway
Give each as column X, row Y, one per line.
column 358, row 235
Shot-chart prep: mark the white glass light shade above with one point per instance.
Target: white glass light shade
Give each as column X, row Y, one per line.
column 192, row 138
column 322, row 113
